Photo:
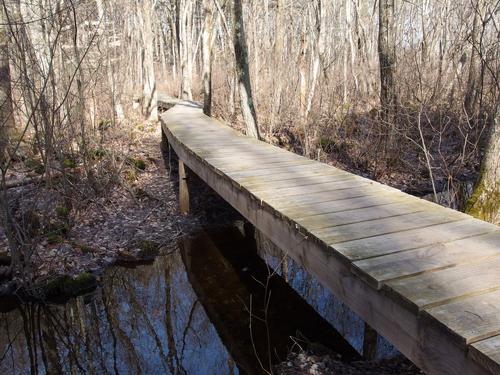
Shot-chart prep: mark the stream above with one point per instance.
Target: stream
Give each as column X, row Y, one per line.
column 211, row 306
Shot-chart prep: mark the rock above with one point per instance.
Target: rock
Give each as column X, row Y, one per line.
column 66, row 286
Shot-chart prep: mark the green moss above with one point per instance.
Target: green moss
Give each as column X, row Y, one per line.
column 484, row 203
column 68, row 286
column 99, row 153
column 104, row 124
column 55, row 231
column 148, row 249
column 137, row 163
column 61, row 228
column 326, row 143
column 69, row 163
column 54, row 238
column 35, row 165
column 86, row 249
column 130, row 175
column 62, row 212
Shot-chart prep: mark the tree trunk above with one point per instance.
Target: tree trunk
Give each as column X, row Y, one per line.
column 242, row 71
column 6, row 113
column 185, row 11
column 387, row 61
column 6, row 124
column 485, row 201
column 207, row 57
column 148, row 72
column 278, row 64
column 470, row 94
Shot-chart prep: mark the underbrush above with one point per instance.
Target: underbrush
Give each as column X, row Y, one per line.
column 436, row 149
column 53, row 193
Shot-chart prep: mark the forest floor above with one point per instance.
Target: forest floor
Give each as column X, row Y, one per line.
column 128, row 222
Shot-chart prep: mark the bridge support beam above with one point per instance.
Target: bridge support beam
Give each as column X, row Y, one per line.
column 183, row 189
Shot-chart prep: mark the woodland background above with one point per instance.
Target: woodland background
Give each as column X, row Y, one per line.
column 404, row 92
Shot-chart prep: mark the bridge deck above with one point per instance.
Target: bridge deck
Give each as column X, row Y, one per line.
column 425, row 277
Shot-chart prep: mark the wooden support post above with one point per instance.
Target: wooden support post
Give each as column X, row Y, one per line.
column 164, row 142
column 183, row 189
column 370, row 343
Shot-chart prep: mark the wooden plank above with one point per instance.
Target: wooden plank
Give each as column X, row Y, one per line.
column 239, row 155
column 471, row 319
column 487, row 353
column 209, row 143
column 280, row 203
column 219, row 144
column 318, row 171
column 303, row 210
column 241, row 145
column 336, row 234
column 443, row 286
column 224, row 153
column 358, row 215
column 412, row 239
column 234, row 167
column 259, row 184
column 252, row 160
column 235, row 155
column 309, row 190
column 436, row 256
column 188, row 134
column 237, row 175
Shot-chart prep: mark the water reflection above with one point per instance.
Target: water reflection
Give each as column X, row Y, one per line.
column 146, row 320
column 203, row 309
column 259, row 317
column 339, row 315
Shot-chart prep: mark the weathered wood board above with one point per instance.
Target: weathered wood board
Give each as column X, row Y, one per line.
column 425, row 277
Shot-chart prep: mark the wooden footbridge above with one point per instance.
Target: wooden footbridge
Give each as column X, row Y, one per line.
column 425, row 277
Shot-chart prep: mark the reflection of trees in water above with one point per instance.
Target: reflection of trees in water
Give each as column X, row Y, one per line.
column 325, row 303
column 142, row 321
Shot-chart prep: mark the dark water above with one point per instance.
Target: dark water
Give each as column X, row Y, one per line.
column 339, row 315
column 210, row 307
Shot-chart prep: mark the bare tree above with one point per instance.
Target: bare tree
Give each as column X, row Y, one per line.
column 185, row 42
column 485, row 202
column 145, row 11
column 472, row 79
column 208, row 37
column 242, row 71
column 6, row 125
column 387, row 61
column 6, row 112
